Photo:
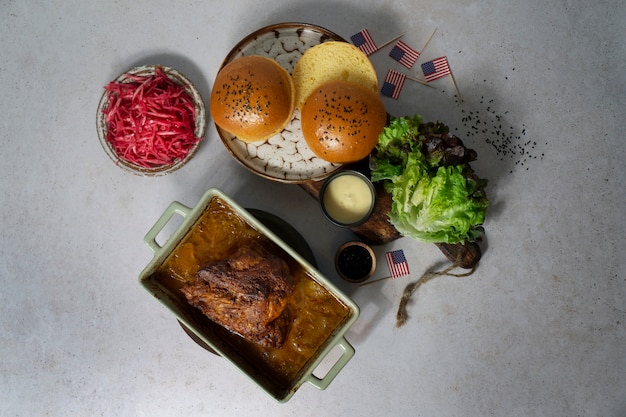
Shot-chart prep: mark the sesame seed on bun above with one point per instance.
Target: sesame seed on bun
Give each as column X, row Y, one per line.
column 341, row 121
column 253, row 98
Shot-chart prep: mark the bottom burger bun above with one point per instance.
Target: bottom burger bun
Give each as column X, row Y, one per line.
column 341, row 121
column 253, row 98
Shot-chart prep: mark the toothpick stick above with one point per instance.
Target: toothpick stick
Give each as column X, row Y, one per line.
column 388, row 42
column 417, row 80
column 372, row 282
column 428, row 41
column 455, row 87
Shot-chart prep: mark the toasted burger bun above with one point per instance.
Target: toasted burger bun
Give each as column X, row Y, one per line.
column 341, row 121
column 253, row 98
column 331, row 61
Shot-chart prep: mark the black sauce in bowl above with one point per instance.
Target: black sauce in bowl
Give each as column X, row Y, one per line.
column 355, row 262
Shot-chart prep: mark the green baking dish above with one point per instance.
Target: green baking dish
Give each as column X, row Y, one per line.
column 220, row 340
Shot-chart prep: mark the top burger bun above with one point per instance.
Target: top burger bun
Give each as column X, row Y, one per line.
column 253, row 98
column 332, row 61
column 341, row 121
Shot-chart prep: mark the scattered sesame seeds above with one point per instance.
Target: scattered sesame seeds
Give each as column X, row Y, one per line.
column 484, row 122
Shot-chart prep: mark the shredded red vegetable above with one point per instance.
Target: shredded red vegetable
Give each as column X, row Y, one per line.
column 150, row 120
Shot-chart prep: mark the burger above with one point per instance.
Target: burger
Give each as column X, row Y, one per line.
column 253, row 98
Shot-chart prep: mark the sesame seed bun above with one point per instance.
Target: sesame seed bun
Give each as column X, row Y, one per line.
column 341, row 121
column 253, row 98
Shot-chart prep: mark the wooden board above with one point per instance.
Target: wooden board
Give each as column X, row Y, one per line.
column 378, row 230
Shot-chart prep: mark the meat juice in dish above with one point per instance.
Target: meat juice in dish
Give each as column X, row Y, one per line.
column 218, row 235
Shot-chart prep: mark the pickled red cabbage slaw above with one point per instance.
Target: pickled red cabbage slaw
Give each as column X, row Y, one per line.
column 150, row 120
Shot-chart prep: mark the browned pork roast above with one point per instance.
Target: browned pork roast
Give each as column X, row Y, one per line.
column 246, row 293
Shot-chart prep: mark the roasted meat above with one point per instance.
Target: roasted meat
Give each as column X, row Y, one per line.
column 246, row 293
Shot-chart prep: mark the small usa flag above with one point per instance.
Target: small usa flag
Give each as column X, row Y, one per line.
column 394, row 81
column 363, row 40
column 436, row 69
column 404, row 54
column 397, row 263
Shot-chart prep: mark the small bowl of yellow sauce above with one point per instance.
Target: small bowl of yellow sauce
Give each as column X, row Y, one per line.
column 347, row 198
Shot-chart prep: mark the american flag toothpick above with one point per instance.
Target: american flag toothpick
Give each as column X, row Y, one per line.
column 398, row 266
column 437, row 68
column 364, row 41
column 406, row 55
column 396, row 261
column 394, row 81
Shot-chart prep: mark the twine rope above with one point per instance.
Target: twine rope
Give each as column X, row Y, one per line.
column 410, row 289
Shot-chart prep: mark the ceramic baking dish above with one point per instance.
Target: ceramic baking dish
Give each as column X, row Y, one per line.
column 213, row 335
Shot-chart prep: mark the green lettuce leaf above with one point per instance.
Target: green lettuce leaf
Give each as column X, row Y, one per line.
column 436, row 195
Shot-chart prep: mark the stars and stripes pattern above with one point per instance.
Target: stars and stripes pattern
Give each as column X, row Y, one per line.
column 397, row 263
column 394, row 81
column 404, row 54
column 363, row 40
column 436, row 69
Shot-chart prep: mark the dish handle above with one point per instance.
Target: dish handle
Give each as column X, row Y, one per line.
column 174, row 208
column 323, row 382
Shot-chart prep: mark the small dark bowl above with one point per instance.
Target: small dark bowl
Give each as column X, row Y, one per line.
column 355, row 261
